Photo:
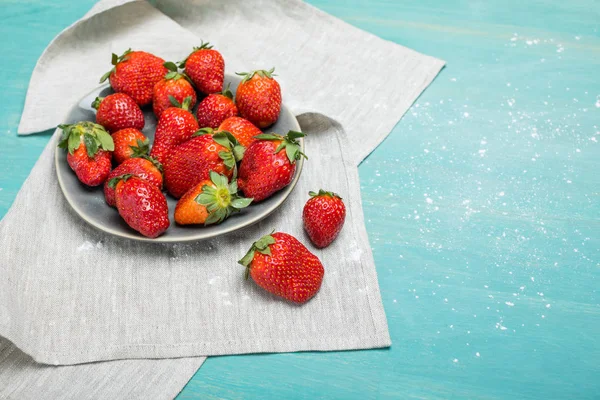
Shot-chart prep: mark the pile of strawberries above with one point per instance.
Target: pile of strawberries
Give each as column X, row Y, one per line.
column 216, row 161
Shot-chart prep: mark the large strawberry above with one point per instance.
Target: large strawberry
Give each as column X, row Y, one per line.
column 282, row 265
column 173, row 86
column 141, row 204
column 89, row 151
column 206, row 68
column 269, row 164
column 191, row 162
column 135, row 73
column 258, row 97
column 216, row 108
column 209, row 202
column 145, row 168
column 118, row 111
column 175, row 126
column 323, row 217
column 129, row 143
column 242, row 129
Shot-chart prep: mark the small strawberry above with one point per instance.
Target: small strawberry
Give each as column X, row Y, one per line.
column 173, row 86
column 216, row 108
column 258, row 97
column 269, row 164
column 209, row 202
column 242, row 129
column 282, row 265
column 129, row 143
column 118, row 111
column 143, row 167
column 141, row 204
column 175, row 126
column 206, row 68
column 323, row 217
column 89, row 151
column 191, row 162
column 135, row 73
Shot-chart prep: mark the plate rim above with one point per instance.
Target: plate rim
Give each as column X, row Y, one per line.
column 287, row 191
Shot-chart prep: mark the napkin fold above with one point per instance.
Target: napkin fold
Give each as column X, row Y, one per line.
column 71, row 294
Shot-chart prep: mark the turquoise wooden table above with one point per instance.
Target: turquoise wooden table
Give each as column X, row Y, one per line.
column 482, row 206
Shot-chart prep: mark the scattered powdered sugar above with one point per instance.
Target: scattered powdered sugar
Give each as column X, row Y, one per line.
column 89, row 246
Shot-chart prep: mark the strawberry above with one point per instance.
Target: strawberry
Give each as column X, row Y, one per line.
column 269, row 164
column 191, row 162
column 242, row 129
column 258, row 97
column 206, row 68
column 118, row 111
column 282, row 265
column 141, row 204
column 216, row 108
column 209, row 202
column 89, row 151
column 175, row 126
column 323, row 217
column 173, row 86
column 135, row 73
column 143, row 167
column 129, row 143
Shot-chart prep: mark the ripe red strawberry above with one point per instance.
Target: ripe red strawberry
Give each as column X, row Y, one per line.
column 175, row 126
column 216, row 108
column 209, row 202
column 242, row 129
column 118, row 111
column 173, row 86
column 323, row 217
column 89, row 151
column 141, row 204
column 191, row 162
column 282, row 265
column 269, row 164
column 135, row 73
column 129, row 143
column 258, row 97
column 206, row 68
column 145, row 168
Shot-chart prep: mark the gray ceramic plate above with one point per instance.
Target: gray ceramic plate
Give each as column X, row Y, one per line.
column 90, row 205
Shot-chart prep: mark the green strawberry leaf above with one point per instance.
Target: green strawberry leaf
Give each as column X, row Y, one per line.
column 246, row 260
column 90, row 144
column 171, row 75
column 241, row 203
column 233, row 187
column 227, row 158
column 187, row 102
column 106, row 76
column 292, row 150
column 113, row 182
column 106, row 141
column 268, row 136
column 222, row 139
column 96, row 102
column 293, row 135
column 174, row 101
column 214, row 218
column 238, row 152
column 170, row 66
column 205, row 198
column 74, row 141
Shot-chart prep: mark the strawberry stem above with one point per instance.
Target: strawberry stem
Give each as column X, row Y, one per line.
column 221, row 199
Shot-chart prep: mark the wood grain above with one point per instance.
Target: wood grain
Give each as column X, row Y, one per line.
column 482, row 206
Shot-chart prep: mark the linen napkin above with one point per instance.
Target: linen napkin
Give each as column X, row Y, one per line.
column 70, row 294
